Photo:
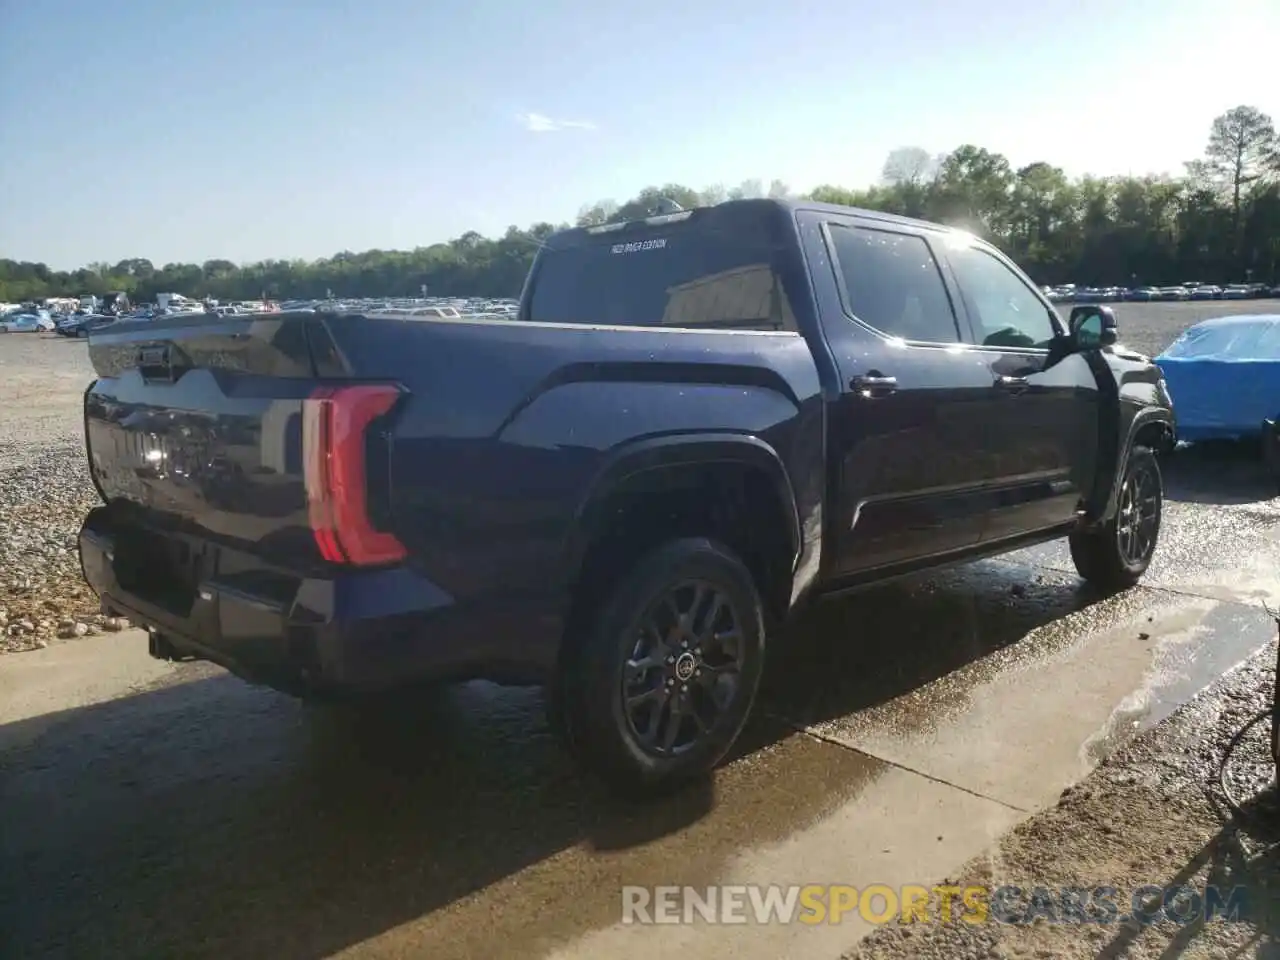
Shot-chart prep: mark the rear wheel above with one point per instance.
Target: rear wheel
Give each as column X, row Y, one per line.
column 1116, row 554
column 659, row 685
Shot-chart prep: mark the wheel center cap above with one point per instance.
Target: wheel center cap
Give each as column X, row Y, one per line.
column 686, row 664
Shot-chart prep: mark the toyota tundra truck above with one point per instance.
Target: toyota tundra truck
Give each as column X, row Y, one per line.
column 695, row 423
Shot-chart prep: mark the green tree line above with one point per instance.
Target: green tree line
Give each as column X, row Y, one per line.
column 1219, row 222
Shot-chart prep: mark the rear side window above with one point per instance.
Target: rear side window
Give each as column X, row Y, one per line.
column 892, row 283
column 702, row 272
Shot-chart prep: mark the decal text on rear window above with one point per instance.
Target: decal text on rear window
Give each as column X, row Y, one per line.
column 637, row 245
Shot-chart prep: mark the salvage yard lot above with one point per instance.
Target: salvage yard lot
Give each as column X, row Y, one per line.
column 1150, row 327
column 900, row 733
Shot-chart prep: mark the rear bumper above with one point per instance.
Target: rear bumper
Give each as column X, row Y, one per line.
column 344, row 634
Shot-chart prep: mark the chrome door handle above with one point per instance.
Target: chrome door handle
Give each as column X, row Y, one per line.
column 873, row 385
column 1013, row 384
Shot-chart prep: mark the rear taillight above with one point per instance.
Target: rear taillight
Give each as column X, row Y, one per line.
column 334, row 422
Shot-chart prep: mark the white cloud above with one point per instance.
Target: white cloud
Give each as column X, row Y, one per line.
column 541, row 123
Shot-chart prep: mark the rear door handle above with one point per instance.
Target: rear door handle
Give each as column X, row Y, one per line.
column 1012, row 384
column 873, row 385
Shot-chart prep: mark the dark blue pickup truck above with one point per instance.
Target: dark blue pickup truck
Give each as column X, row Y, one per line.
column 695, row 423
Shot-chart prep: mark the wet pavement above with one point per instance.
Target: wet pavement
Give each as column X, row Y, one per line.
column 1155, row 813
column 154, row 811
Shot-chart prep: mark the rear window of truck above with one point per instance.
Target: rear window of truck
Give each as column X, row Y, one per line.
column 703, row 271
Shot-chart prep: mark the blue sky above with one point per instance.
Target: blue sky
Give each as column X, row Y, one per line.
column 260, row 128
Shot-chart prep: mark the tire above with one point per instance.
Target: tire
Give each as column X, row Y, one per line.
column 1115, row 555
column 689, row 704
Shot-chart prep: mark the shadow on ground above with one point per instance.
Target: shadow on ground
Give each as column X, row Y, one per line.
column 1218, row 473
column 1242, row 863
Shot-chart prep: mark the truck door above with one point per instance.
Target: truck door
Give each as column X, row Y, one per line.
column 904, row 484
column 1040, row 439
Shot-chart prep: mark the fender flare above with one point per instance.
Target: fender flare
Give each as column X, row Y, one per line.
column 1142, row 419
column 673, row 453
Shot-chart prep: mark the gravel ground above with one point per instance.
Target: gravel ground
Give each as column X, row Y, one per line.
column 44, row 493
column 45, row 489
column 1152, row 814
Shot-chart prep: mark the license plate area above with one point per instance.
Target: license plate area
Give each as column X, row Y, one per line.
column 162, row 569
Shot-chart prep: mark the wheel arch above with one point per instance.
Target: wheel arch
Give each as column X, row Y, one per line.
column 1152, row 428
column 733, row 487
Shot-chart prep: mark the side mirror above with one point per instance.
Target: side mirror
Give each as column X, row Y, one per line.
column 1093, row 325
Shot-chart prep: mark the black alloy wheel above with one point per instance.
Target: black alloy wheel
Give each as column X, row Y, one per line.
column 658, row 682
column 1115, row 554
column 685, row 669
column 1138, row 520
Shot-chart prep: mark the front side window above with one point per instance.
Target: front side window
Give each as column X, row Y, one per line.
column 892, row 283
column 1005, row 311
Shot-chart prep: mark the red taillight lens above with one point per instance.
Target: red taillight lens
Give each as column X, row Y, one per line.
column 334, row 421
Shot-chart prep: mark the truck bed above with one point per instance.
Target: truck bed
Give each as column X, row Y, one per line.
column 212, row 531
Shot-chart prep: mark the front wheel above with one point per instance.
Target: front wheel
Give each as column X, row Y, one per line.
column 1115, row 555
column 660, row 684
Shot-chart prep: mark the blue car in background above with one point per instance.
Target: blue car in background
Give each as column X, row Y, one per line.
column 1224, row 377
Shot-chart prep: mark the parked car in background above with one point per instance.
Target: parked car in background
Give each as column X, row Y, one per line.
column 1206, row 291
column 1143, row 294
column 1174, row 293
column 1224, row 376
column 1236, row 291
column 25, row 323
column 82, row 326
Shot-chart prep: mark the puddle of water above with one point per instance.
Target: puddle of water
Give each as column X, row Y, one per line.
column 1013, row 725
column 1253, row 580
column 1188, row 661
column 1226, row 552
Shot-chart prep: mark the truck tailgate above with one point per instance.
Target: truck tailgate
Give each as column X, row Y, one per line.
column 195, row 425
